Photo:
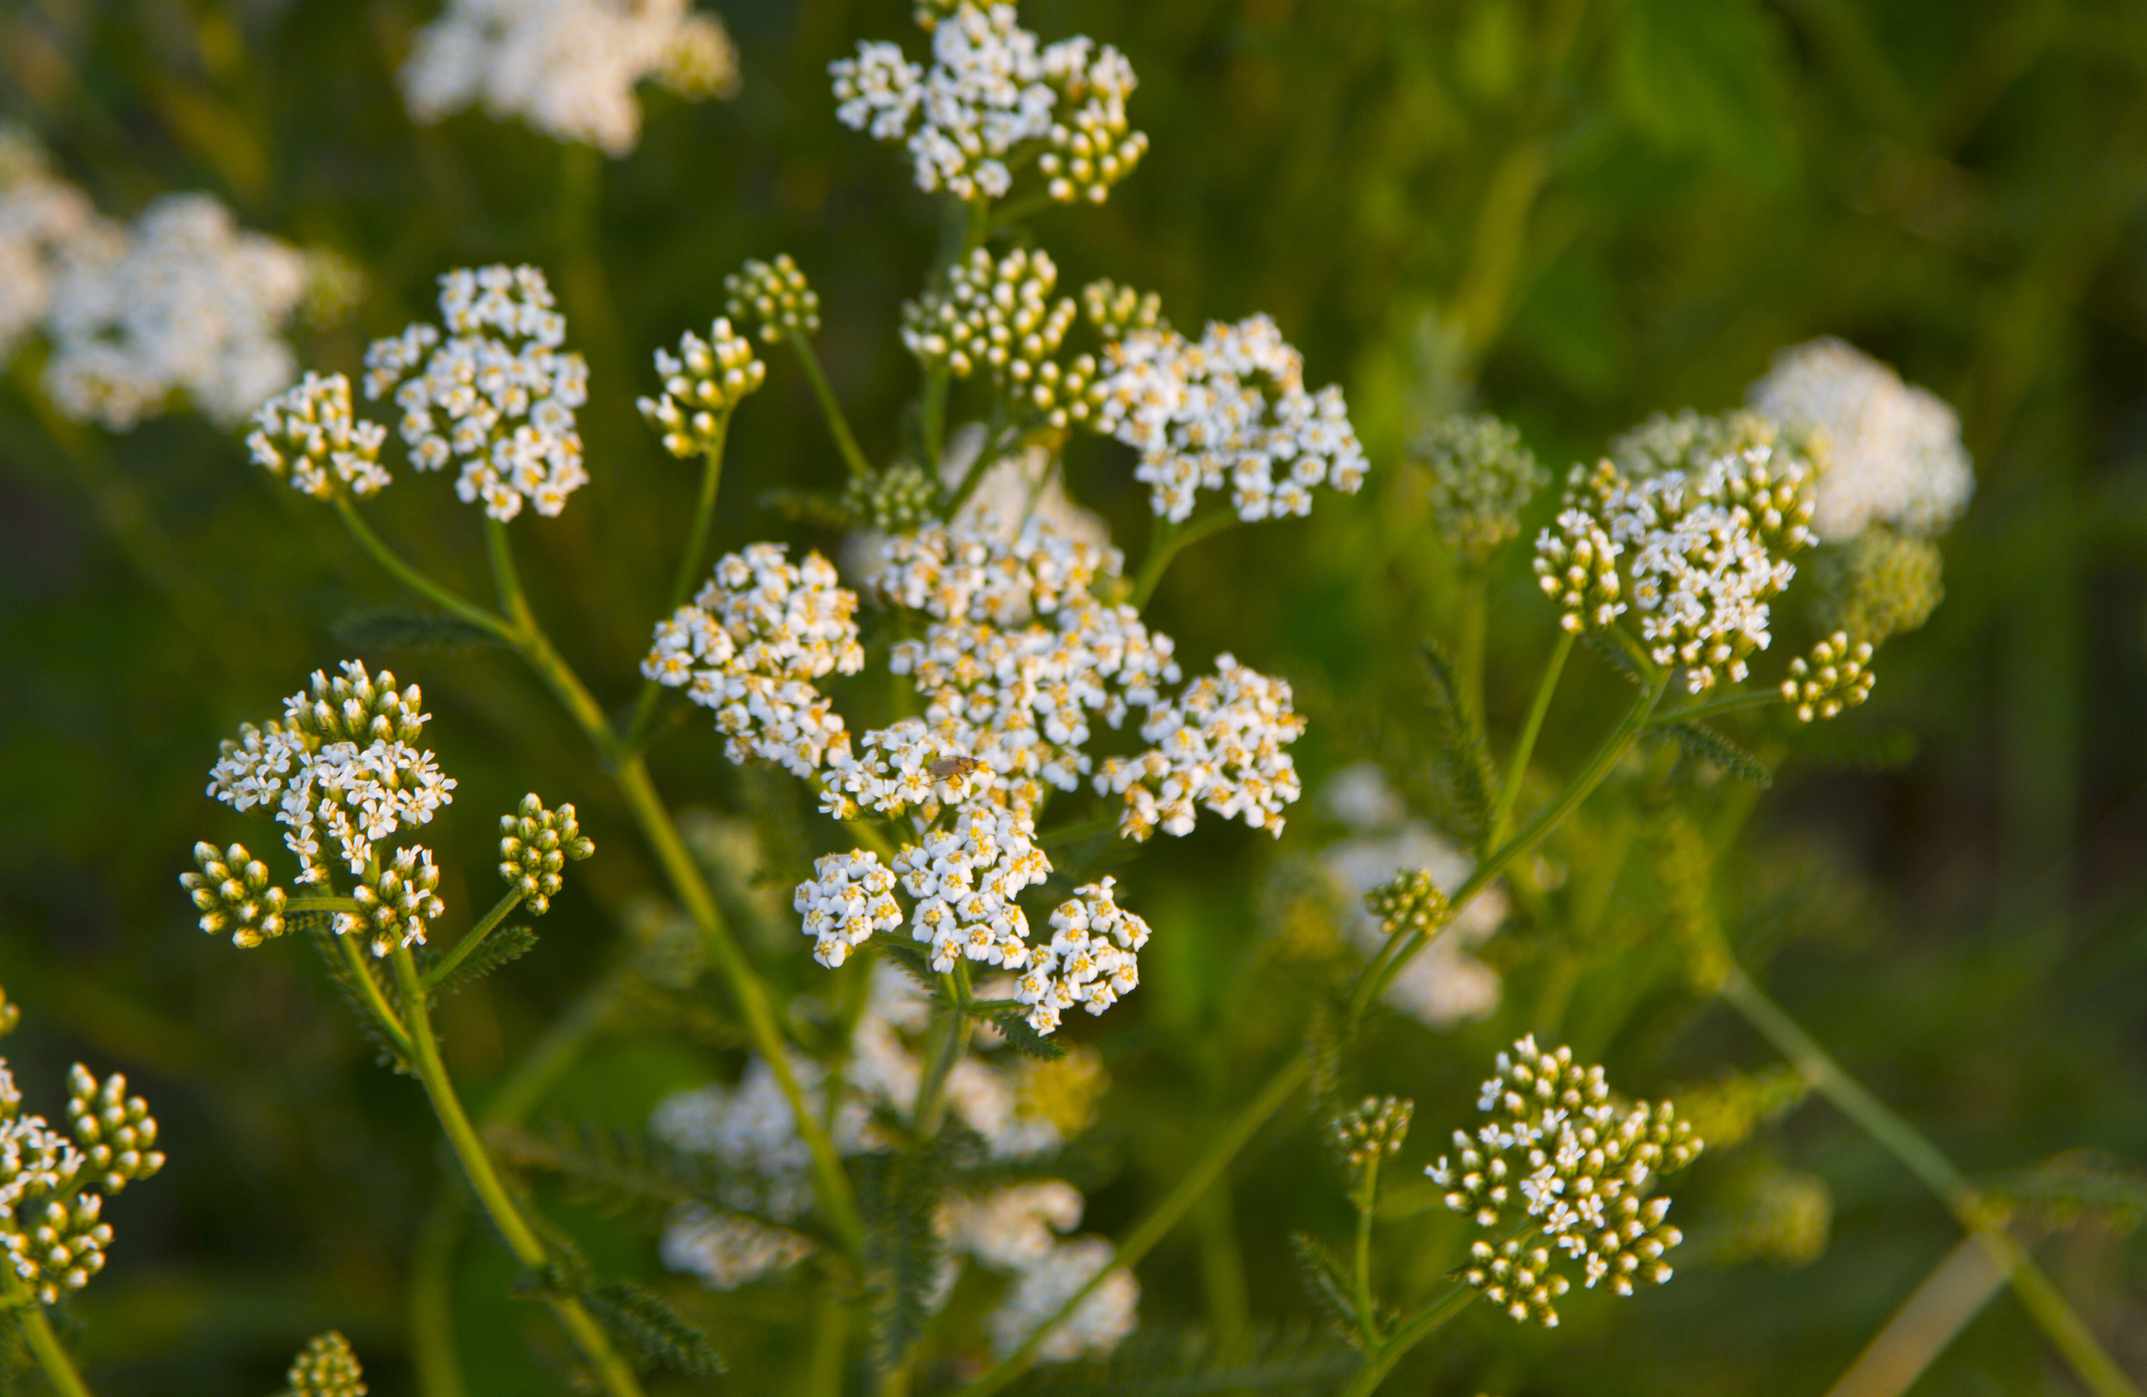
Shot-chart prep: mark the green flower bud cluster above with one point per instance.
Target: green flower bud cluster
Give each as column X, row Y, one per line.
column 117, row 1134
column 772, row 297
column 326, row 1367
column 53, row 1236
column 535, row 845
column 1837, row 675
column 1374, row 1128
column 702, row 383
column 896, row 500
column 1563, row 1163
column 1409, row 901
column 233, row 893
column 1880, row 584
column 995, row 314
column 396, row 903
column 1482, row 476
column 1116, row 311
column 356, row 707
column 1779, row 1215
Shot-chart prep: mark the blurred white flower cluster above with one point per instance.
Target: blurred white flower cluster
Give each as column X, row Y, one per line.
column 749, row 1136
column 996, row 104
column 1444, row 984
column 1013, row 655
column 567, row 67
column 1894, row 450
column 180, row 306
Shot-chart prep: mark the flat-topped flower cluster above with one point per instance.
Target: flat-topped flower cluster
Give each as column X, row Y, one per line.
column 1014, row 656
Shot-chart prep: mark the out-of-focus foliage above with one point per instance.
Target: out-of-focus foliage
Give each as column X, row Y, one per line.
column 1567, row 212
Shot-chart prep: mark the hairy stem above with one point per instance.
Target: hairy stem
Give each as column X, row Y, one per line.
column 1367, row 1317
column 611, row 1371
column 932, row 1094
column 474, row 937
column 46, row 1348
column 2039, row 1295
column 375, row 998
column 416, row 581
column 689, row 569
column 1168, row 540
column 1412, row 1332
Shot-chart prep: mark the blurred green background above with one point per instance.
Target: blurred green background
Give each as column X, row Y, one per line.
column 1570, row 212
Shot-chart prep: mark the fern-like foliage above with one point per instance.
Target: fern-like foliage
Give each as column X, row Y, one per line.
column 501, row 948
column 625, row 1172
column 656, row 1336
column 1326, row 1280
column 1024, row 1039
column 1709, row 745
column 901, row 1196
column 1461, row 760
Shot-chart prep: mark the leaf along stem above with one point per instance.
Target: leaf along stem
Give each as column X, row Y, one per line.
column 474, row 938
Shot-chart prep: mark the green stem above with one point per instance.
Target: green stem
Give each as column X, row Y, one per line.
column 1367, row 1317
column 51, row 1355
column 1524, row 748
column 432, row 1298
column 2045, row 1304
column 831, row 1337
column 932, row 1093
column 415, row 580
column 932, row 412
column 474, row 938
column 354, row 957
column 611, row 1371
column 1151, row 1229
column 838, row 427
column 631, row 772
column 1729, row 704
column 1412, row 1332
column 689, row 568
column 322, row 904
column 1599, row 767
column 1166, row 543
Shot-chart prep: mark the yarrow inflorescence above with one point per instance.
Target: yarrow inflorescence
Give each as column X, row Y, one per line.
column 1835, row 675
column 1895, row 451
column 702, row 384
column 535, row 845
column 1697, row 555
column 773, row 298
column 1015, row 1230
column 1563, row 1175
column 495, row 392
column 1410, row 901
column 54, row 1183
column 233, row 892
column 1014, row 656
column 326, row 1367
column 1482, row 476
column 1374, row 1128
column 999, row 315
column 567, row 67
column 994, row 104
column 309, row 435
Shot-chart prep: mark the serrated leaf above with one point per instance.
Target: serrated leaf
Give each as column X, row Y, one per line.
column 1024, row 1039
column 1613, row 654
column 372, row 630
column 901, row 1196
column 1325, row 1280
column 912, row 960
column 501, row 948
column 1462, row 757
column 630, row 1172
column 656, row 1337
column 1709, row 745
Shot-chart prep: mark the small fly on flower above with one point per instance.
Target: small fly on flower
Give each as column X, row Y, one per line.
column 953, row 768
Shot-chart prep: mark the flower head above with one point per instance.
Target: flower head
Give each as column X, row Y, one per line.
column 995, row 102
column 1566, row 1174
column 233, row 893
column 772, row 297
column 702, row 383
column 1895, row 449
column 494, row 392
column 1000, row 316
column 309, row 436
column 1375, row 1127
column 567, row 67
column 1836, row 675
column 1482, row 476
column 326, row 1367
column 1409, row 901
column 535, row 845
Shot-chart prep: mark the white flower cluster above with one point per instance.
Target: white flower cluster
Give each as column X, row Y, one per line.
column 567, row 67
column 1576, row 1168
column 53, row 1183
column 1699, row 554
column 1229, row 411
column 750, row 646
column 999, row 315
column 702, row 384
column 994, row 101
column 184, row 302
column 1020, row 1229
column 309, row 434
column 1895, row 449
column 1219, row 745
column 341, row 765
column 1445, row 983
column 495, row 393
column 41, row 218
column 1016, row 658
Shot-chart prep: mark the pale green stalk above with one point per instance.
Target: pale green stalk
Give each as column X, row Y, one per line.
column 1166, row 543
column 689, row 568
column 611, row 1370
column 838, row 426
column 474, row 937
column 2045, row 1304
column 45, row 1346
column 1524, row 747
column 1412, row 1332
